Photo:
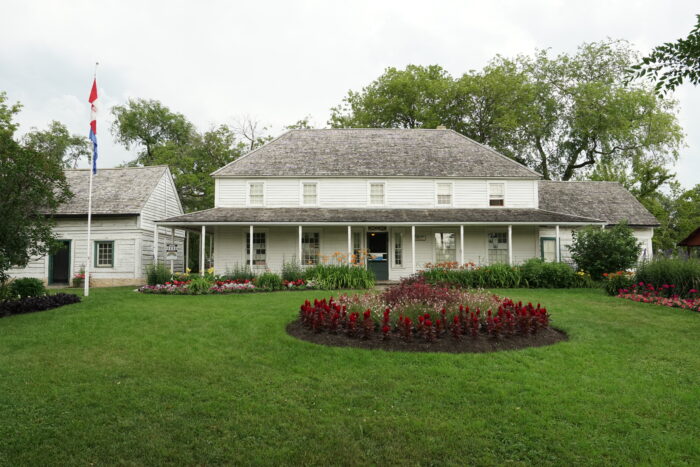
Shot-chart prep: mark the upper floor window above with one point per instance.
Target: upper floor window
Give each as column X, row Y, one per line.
column 376, row 193
column 309, row 193
column 444, row 194
column 497, row 194
column 256, row 193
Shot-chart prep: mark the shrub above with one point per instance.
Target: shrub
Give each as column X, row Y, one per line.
column 599, row 250
column 27, row 287
column 268, row 281
column 238, row 273
column 496, row 275
column 38, row 303
column 340, row 276
column 292, row 271
column 5, row 290
column 616, row 281
column 684, row 275
column 157, row 274
column 539, row 274
column 199, row 285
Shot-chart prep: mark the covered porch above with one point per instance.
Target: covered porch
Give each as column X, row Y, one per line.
column 394, row 243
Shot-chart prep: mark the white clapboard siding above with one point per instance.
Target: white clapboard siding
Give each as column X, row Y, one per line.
column 162, row 203
column 350, row 192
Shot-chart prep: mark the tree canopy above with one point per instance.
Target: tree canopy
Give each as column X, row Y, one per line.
column 57, row 142
column 32, row 186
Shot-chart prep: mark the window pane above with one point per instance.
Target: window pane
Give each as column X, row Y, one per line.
column 445, row 247
column 310, row 247
column 498, row 247
column 376, row 193
column 105, row 254
column 444, row 193
column 256, row 194
column 310, row 193
column 398, row 249
column 497, row 189
column 259, row 246
column 357, row 246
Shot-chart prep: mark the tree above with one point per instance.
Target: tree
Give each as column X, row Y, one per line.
column 252, row 131
column 59, row 143
column 559, row 115
column 301, row 124
column 32, row 186
column 669, row 64
column 148, row 124
column 598, row 251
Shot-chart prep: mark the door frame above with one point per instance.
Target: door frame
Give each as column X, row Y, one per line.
column 69, row 246
column 554, row 239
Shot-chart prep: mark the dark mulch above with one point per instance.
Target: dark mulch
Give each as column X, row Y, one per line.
column 479, row 344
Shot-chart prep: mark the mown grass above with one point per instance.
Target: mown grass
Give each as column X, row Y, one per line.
column 125, row 378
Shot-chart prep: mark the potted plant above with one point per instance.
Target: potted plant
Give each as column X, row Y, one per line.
column 79, row 278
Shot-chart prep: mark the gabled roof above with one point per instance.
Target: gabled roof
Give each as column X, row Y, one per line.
column 691, row 240
column 114, row 191
column 377, row 216
column 370, row 152
column 608, row 201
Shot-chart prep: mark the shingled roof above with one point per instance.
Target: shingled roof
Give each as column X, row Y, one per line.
column 118, row 191
column 371, row 152
column 377, row 216
column 608, row 201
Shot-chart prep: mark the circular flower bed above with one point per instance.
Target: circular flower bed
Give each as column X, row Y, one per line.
column 415, row 316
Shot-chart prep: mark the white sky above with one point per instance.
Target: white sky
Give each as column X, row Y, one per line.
column 280, row 61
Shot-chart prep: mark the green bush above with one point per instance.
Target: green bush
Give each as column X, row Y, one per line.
column 615, row 281
column 238, row 273
column 540, row 274
column 340, row 276
column 598, row 251
column 27, row 287
column 157, row 274
column 683, row 273
column 292, row 271
column 199, row 285
column 5, row 290
column 268, row 281
column 496, row 275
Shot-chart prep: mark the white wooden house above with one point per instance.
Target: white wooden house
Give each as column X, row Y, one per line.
column 407, row 197
column 125, row 204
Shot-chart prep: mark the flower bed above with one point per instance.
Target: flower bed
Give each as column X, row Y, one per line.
column 40, row 303
column 664, row 295
column 227, row 286
column 419, row 316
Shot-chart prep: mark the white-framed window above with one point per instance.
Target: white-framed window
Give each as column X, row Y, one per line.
column 256, row 193
column 357, row 247
column 259, row 247
column 497, row 247
column 309, row 193
column 104, row 254
column 377, row 193
column 310, row 247
column 445, row 247
column 443, row 191
column 398, row 249
column 497, row 194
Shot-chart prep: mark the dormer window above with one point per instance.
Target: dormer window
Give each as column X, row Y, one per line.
column 497, row 194
column 376, row 193
column 309, row 193
column 256, row 194
column 444, row 194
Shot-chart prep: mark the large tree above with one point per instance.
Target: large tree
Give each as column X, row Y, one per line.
column 560, row 115
column 670, row 64
column 32, row 186
column 59, row 143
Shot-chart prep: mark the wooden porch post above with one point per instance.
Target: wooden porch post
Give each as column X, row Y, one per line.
column 250, row 245
column 461, row 245
column 202, row 241
column 510, row 245
column 172, row 240
column 413, row 249
column 187, row 251
column 300, row 250
column 349, row 244
column 556, row 232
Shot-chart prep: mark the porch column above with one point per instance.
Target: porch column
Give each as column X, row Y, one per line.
column 510, row 245
column 202, row 241
column 187, row 251
column 250, row 245
column 299, row 251
column 155, row 245
column 211, row 249
column 413, row 249
column 556, row 234
column 172, row 240
column 461, row 245
column 349, row 244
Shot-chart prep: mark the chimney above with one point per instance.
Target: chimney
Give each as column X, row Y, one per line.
column 441, row 127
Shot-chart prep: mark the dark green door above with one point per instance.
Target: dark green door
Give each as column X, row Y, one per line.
column 59, row 264
column 378, row 249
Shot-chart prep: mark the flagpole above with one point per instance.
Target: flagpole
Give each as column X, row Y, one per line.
column 86, row 285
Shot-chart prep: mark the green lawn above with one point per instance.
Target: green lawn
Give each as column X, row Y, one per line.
column 124, row 378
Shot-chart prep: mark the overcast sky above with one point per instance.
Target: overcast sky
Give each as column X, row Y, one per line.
column 280, row 61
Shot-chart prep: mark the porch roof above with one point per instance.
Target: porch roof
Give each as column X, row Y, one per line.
column 310, row 216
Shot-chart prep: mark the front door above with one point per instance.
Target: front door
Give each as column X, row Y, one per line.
column 59, row 264
column 548, row 249
column 378, row 254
